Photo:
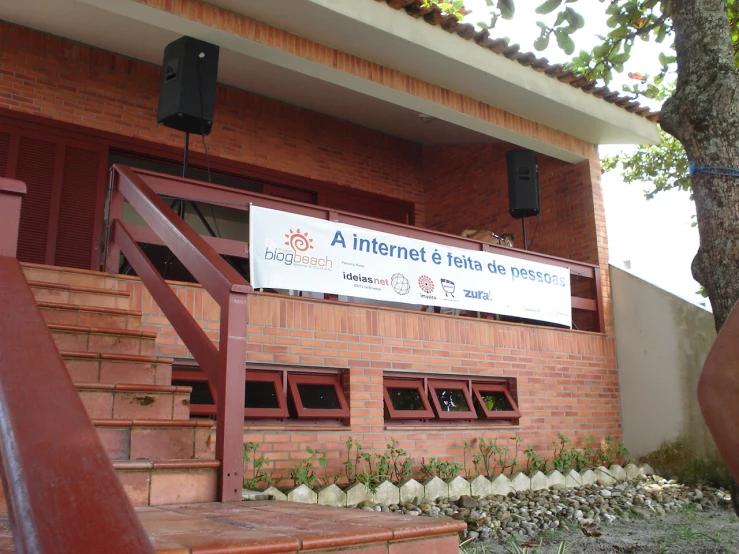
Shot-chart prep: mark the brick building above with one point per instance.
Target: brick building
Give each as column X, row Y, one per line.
column 319, row 103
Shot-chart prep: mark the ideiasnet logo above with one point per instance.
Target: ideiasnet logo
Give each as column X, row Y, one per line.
column 299, row 242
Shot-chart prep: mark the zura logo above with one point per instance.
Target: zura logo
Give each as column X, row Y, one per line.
column 298, row 241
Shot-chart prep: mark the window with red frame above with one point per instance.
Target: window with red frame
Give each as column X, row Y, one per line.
column 439, row 398
column 271, row 393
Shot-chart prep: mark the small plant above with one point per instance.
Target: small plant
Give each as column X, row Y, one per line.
column 564, row 458
column 304, row 473
column 441, row 469
column 488, row 455
column 534, row 462
column 257, row 475
column 353, row 460
column 509, row 464
column 398, row 470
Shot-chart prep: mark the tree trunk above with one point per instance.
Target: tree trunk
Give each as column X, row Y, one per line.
column 704, row 116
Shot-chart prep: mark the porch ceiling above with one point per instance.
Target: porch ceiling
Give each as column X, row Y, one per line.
column 100, row 23
column 130, row 28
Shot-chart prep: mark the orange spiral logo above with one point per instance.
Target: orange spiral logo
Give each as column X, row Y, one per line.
column 298, row 241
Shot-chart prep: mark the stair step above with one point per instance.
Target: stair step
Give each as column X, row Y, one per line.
column 72, row 276
column 92, row 367
column 81, row 296
column 72, row 314
column 156, row 439
column 122, row 401
column 99, row 339
column 157, row 482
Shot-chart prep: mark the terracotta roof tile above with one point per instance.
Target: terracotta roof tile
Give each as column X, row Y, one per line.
column 449, row 23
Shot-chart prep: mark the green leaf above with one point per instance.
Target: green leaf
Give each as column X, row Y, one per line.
column 565, row 42
column 507, row 8
column 542, row 43
column 575, row 18
column 548, row 6
column 458, row 4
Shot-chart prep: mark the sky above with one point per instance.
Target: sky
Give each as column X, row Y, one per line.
column 654, row 237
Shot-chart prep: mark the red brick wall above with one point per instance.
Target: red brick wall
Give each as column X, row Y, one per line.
column 571, row 224
column 49, row 76
column 567, row 382
column 478, row 173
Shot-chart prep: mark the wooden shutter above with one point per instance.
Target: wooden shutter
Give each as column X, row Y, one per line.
column 61, row 213
column 4, row 151
column 75, row 236
column 35, row 167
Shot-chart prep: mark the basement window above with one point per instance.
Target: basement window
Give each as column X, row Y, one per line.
column 440, row 398
column 278, row 394
column 317, row 396
column 495, row 401
column 451, row 399
column 405, row 399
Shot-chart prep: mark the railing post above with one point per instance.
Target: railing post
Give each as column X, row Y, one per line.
column 597, row 290
column 230, row 411
column 112, row 251
column 11, row 195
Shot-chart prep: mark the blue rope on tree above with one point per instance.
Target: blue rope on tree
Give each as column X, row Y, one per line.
column 713, row 170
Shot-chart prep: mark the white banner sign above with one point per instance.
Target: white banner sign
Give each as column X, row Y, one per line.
column 288, row 251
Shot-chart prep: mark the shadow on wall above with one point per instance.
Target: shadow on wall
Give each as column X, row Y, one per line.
column 661, row 344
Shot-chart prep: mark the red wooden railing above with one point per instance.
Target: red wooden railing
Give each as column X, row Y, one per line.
column 61, row 490
column 224, row 365
column 240, row 200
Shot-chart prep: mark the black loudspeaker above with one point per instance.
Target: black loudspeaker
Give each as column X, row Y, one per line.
column 523, row 183
column 187, row 97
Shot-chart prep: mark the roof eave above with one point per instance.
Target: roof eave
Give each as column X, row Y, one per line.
column 374, row 31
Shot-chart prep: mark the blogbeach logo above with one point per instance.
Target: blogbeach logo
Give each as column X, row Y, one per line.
column 300, row 242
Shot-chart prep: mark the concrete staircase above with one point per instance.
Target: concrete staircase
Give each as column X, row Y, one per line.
column 161, row 455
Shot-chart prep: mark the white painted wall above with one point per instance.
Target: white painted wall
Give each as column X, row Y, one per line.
column 661, row 344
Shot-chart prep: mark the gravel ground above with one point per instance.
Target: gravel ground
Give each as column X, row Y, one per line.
column 715, row 530
column 646, row 515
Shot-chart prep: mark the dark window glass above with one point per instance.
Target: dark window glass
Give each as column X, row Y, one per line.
column 452, row 400
column 200, row 391
column 260, row 394
column 405, row 399
column 318, row 397
column 496, row 401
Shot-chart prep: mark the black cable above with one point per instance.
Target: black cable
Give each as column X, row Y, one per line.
column 205, row 145
column 202, row 119
column 533, row 236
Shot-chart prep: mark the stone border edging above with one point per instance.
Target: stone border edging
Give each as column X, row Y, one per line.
column 413, row 492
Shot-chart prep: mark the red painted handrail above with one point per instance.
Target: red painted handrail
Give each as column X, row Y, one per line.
column 224, row 365
column 62, row 492
column 241, row 200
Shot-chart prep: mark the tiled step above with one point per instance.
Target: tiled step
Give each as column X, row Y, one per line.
column 155, row 439
column 120, row 401
column 158, row 482
column 107, row 341
column 89, row 316
column 80, row 296
column 93, row 367
column 71, row 276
